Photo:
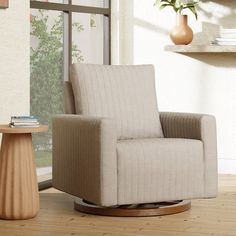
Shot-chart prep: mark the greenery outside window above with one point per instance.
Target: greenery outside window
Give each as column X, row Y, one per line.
column 62, row 32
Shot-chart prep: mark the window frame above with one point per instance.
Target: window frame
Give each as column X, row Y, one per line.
column 68, row 9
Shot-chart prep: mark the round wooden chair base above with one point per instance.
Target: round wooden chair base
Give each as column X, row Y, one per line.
column 150, row 209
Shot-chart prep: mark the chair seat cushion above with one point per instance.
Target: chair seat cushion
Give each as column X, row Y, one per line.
column 125, row 93
column 154, row 170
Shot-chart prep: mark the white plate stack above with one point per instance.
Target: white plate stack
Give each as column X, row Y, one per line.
column 227, row 37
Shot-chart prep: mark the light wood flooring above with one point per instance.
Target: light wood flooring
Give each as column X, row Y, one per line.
column 207, row 217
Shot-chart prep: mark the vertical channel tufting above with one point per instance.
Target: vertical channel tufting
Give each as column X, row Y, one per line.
column 84, row 158
column 132, row 102
column 89, row 163
column 69, row 100
column 149, row 170
column 200, row 127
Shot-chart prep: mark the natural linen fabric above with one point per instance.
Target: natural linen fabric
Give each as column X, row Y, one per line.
column 89, row 163
column 156, row 170
column 84, row 158
column 201, row 127
column 124, row 93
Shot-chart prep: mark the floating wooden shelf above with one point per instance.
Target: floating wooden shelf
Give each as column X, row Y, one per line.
column 200, row 49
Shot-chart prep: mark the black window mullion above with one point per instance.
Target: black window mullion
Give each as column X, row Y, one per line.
column 66, row 46
column 106, row 41
column 69, row 7
column 109, row 32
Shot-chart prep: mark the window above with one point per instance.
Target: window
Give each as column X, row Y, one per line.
column 93, row 3
column 87, row 36
column 62, row 32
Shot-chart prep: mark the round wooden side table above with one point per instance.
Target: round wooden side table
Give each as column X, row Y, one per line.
column 19, row 196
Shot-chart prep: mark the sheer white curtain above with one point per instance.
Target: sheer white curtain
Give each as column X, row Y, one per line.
column 122, row 32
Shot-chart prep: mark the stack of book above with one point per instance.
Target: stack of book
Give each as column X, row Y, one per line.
column 227, row 37
column 24, row 122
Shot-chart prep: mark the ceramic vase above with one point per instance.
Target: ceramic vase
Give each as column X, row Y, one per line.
column 181, row 34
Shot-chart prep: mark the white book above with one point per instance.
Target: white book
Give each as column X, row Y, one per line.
column 25, row 123
column 24, row 126
column 24, row 120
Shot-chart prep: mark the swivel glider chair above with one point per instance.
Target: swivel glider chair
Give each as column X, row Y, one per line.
column 119, row 156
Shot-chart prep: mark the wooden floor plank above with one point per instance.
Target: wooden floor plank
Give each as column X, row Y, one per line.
column 57, row 217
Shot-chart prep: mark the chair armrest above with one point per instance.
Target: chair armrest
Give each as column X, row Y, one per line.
column 187, row 125
column 84, row 158
column 196, row 126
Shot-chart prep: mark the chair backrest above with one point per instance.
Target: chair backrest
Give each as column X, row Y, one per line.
column 69, row 100
column 125, row 93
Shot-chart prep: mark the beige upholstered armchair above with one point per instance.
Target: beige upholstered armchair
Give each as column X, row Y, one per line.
column 113, row 147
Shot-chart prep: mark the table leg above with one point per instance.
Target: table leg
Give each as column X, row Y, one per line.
column 19, row 197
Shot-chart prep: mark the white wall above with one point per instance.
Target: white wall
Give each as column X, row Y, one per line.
column 14, row 60
column 198, row 83
column 204, row 83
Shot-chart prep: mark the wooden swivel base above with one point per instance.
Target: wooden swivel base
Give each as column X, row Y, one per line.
column 150, row 209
